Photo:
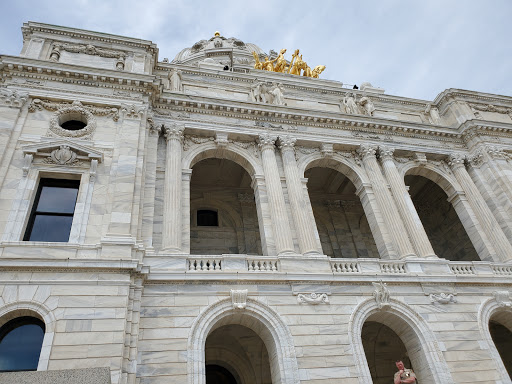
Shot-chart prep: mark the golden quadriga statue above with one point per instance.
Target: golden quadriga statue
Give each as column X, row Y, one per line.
column 279, row 64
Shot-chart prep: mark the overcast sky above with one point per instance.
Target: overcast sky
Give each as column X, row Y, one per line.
column 411, row 48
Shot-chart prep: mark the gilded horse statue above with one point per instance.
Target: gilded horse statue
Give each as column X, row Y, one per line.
column 296, row 67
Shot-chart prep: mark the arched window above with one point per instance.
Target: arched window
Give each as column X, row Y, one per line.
column 21, row 340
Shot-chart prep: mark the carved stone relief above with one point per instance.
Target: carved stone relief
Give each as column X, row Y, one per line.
column 442, row 298
column 89, row 49
column 489, row 108
column 312, row 298
column 352, row 106
column 381, row 294
column 239, row 298
column 264, row 92
column 13, row 98
column 503, row 298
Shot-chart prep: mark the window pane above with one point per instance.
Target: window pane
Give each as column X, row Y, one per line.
column 51, row 228
column 207, row 218
column 21, row 347
column 57, row 199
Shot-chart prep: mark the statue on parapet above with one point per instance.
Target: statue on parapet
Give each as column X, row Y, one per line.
column 404, row 375
column 297, row 66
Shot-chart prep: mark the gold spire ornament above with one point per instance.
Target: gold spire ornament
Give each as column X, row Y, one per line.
column 297, row 66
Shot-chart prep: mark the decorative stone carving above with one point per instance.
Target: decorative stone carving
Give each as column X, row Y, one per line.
column 432, row 114
column 62, row 156
column 327, row 150
column 489, row 108
column 496, row 152
column 173, row 131
column 239, row 298
column 13, row 98
column 456, row 160
column 267, row 141
column 366, row 150
column 386, row 152
column 133, row 111
column 175, row 80
column 381, row 294
column 442, row 298
column 27, row 161
column 61, row 153
column 286, row 142
column 88, row 49
column 190, row 140
column 246, row 198
column 476, row 159
column 221, row 139
column 503, row 298
column 174, row 115
column 350, row 105
column 312, row 298
column 39, row 105
column 249, row 145
column 262, row 92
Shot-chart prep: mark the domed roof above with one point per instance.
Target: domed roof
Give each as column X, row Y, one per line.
column 219, row 50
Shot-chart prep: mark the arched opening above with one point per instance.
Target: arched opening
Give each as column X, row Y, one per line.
column 383, row 348
column 236, row 354
column 223, row 212
column 21, row 340
column 340, row 218
column 442, row 224
column 215, row 374
column 500, row 328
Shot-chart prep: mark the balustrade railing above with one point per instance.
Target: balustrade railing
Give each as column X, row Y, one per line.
column 395, row 267
column 345, row 266
column 262, row 265
column 205, row 264
column 462, row 269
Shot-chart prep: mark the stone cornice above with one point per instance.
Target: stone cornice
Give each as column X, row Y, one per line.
column 47, row 70
column 472, row 96
column 32, row 27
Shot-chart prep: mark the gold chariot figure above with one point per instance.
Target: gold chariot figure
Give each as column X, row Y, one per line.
column 297, row 66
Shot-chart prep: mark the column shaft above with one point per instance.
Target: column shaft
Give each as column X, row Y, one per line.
column 171, row 232
column 405, row 205
column 385, row 201
column 303, row 226
column 281, row 226
column 484, row 214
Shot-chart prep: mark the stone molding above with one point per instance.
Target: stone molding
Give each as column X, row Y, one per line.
column 61, row 153
column 433, row 357
column 263, row 320
column 491, row 308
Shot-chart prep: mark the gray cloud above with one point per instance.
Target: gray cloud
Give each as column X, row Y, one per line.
column 410, row 48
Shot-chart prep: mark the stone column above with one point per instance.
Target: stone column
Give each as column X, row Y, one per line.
column 303, row 226
column 186, row 175
column 149, row 187
column 405, row 205
column 385, row 201
column 280, row 224
column 489, row 224
column 171, row 232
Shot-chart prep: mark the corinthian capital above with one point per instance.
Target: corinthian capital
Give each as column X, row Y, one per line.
column 496, row 152
column 173, row 131
column 267, row 141
column 367, row 150
column 386, row 153
column 286, row 142
column 456, row 160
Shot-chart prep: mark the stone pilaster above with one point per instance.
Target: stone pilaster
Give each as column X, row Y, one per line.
column 171, row 232
column 405, row 205
column 385, row 201
column 484, row 215
column 303, row 226
column 280, row 224
column 186, row 175
column 148, row 212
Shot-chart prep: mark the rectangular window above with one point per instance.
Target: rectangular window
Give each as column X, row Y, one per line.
column 207, row 218
column 52, row 213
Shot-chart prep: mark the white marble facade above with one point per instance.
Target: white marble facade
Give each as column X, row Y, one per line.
column 338, row 210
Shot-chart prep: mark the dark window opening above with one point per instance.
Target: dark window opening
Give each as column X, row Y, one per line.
column 53, row 210
column 207, row 218
column 21, row 340
column 73, row 125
